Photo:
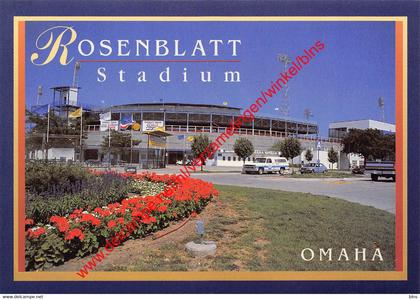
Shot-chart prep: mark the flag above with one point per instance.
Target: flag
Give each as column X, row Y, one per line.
column 181, row 137
column 75, row 114
column 190, row 138
column 105, row 116
column 126, row 121
column 40, row 109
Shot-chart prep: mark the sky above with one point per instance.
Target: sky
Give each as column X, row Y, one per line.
column 343, row 82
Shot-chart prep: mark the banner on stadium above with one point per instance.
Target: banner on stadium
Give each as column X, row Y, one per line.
column 152, row 125
column 157, row 142
column 111, row 124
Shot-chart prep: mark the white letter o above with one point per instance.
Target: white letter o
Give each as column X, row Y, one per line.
column 302, row 254
column 92, row 47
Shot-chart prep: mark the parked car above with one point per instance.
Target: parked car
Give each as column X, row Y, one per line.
column 358, row 170
column 313, row 168
column 267, row 165
column 180, row 162
column 380, row 168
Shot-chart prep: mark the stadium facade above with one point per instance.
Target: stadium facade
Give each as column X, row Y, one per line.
column 184, row 121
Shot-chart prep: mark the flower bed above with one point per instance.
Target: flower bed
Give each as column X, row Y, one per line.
column 83, row 232
column 57, row 189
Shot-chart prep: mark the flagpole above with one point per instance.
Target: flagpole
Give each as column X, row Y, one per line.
column 48, row 122
column 81, row 132
column 109, row 130
column 48, row 131
column 131, row 146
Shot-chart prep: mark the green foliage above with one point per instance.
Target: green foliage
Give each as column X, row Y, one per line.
column 308, row 155
column 332, row 156
column 289, row 147
column 121, row 143
column 370, row 143
column 40, row 175
column 57, row 189
column 243, row 148
column 199, row 147
column 62, row 133
column 45, row 251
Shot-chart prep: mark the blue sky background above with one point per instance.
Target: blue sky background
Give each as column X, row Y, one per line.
column 343, row 82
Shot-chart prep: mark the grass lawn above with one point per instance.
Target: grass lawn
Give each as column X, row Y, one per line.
column 266, row 230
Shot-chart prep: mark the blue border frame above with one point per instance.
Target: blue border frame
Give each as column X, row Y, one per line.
column 10, row 8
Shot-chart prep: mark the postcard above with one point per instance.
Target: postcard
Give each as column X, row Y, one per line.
column 206, row 149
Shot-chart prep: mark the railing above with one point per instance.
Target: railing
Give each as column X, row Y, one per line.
column 241, row 131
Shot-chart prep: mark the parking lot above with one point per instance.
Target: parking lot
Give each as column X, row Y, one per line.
column 361, row 189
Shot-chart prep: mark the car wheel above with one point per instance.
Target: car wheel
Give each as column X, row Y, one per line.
column 374, row 177
column 260, row 171
column 281, row 172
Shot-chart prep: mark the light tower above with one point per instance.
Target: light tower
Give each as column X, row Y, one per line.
column 39, row 94
column 308, row 113
column 381, row 105
column 76, row 74
column 285, row 59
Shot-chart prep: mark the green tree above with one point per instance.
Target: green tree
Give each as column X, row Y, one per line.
column 61, row 133
column 243, row 148
column 308, row 155
column 369, row 143
column 119, row 144
column 289, row 147
column 332, row 156
column 199, row 148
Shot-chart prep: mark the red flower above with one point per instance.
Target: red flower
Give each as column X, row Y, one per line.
column 120, row 220
column 29, row 221
column 75, row 233
column 111, row 224
column 90, row 218
column 35, row 233
column 61, row 222
column 193, row 214
column 162, row 209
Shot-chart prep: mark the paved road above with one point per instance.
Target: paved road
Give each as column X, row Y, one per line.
column 361, row 190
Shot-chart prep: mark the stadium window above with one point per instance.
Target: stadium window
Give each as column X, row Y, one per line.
column 224, row 158
column 234, row 158
column 228, row 158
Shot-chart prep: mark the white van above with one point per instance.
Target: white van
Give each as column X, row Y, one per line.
column 267, row 165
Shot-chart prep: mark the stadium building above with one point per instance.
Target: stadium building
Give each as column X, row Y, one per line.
column 181, row 122
column 165, row 132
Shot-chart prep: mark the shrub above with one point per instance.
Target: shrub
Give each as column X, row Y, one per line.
column 93, row 191
column 41, row 176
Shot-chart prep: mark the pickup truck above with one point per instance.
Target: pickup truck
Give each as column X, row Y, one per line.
column 378, row 169
column 267, row 165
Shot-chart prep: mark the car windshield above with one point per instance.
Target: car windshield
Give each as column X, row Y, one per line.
column 260, row 160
